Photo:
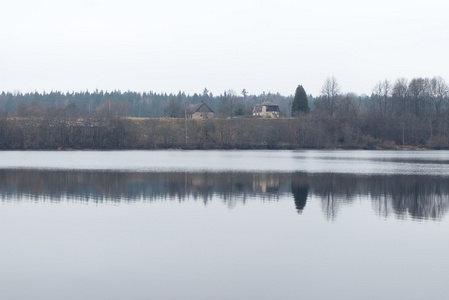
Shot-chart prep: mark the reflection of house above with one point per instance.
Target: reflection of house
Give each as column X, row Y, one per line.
column 200, row 111
column 266, row 183
column 266, row 110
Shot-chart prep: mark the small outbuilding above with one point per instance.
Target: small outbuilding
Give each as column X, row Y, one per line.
column 200, row 111
column 266, row 109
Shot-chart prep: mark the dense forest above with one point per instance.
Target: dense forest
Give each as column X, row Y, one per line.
column 397, row 114
column 133, row 104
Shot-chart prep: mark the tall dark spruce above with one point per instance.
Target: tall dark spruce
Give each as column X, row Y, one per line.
column 300, row 103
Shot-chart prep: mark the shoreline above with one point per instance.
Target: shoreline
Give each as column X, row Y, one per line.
column 398, row 148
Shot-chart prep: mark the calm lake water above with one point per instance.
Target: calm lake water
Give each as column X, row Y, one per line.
column 224, row 225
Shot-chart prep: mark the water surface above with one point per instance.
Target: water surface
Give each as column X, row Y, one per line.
column 328, row 161
column 224, row 225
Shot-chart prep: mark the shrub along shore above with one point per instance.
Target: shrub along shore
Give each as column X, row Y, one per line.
column 304, row 132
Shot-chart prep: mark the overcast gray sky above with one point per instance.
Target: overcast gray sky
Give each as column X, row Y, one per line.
column 259, row 45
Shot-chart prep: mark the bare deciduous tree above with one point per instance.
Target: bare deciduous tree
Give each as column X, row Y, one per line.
column 399, row 95
column 331, row 93
column 439, row 92
column 418, row 92
column 349, row 106
column 381, row 93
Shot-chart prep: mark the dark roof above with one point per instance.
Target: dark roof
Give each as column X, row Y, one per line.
column 270, row 106
column 200, row 107
column 266, row 103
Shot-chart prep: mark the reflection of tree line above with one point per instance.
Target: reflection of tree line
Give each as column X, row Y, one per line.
column 417, row 196
column 401, row 195
column 132, row 186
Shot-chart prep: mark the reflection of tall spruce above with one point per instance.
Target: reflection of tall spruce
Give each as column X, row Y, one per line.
column 300, row 190
column 417, row 196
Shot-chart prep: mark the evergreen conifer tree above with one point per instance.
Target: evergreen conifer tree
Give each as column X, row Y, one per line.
column 300, row 103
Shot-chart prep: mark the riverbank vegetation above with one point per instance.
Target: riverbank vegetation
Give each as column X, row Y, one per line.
column 309, row 132
column 396, row 115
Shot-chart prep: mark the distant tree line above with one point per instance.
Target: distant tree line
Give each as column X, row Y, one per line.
column 133, row 104
column 401, row 114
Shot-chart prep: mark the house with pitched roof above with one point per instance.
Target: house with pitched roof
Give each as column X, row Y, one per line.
column 200, row 111
column 266, row 109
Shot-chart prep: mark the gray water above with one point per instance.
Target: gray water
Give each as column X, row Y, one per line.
column 224, row 225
